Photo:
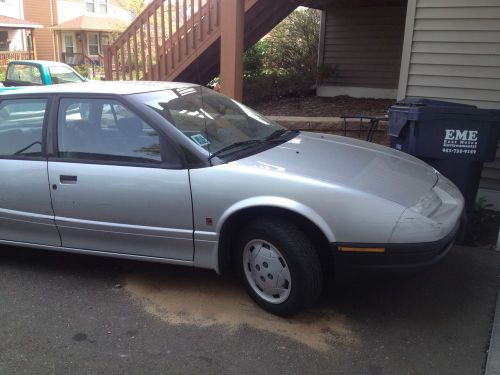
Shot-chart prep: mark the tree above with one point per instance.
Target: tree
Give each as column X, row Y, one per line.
column 134, row 6
column 294, row 43
column 284, row 62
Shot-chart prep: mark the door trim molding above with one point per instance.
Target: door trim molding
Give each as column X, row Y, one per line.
column 99, row 253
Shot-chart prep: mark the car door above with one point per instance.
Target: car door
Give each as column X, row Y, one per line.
column 25, row 208
column 113, row 185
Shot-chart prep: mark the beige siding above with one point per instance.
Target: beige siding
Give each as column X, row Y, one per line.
column 39, row 12
column 454, row 54
column 365, row 44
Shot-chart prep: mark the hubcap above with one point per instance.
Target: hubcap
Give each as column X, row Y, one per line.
column 266, row 271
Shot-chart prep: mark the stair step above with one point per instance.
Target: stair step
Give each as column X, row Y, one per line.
column 180, row 39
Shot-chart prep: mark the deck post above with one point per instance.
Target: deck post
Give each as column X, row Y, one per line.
column 108, row 63
column 232, row 48
column 33, row 44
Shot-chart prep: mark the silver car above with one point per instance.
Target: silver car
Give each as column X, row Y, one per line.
column 176, row 173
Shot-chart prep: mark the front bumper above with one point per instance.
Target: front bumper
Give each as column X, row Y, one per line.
column 394, row 256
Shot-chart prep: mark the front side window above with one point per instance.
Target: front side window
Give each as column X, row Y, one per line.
column 21, row 127
column 25, row 73
column 63, row 74
column 211, row 120
column 104, row 130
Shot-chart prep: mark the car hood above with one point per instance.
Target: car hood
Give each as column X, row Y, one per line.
column 350, row 163
column 9, row 88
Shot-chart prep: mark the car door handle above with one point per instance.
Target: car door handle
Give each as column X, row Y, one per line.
column 65, row 179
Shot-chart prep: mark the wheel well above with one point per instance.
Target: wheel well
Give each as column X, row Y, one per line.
column 230, row 231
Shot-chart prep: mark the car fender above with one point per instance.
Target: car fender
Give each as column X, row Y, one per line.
column 278, row 202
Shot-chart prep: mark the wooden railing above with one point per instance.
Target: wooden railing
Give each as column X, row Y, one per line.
column 6, row 56
column 162, row 40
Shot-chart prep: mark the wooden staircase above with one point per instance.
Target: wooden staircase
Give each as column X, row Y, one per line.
column 180, row 39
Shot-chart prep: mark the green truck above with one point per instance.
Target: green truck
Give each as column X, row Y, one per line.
column 38, row 73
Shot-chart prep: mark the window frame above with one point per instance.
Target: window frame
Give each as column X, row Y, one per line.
column 101, row 3
column 73, row 42
column 24, row 83
column 88, row 43
column 93, row 2
column 45, row 126
column 165, row 141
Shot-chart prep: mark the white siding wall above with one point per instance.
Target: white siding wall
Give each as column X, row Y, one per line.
column 14, row 8
column 69, row 9
column 452, row 52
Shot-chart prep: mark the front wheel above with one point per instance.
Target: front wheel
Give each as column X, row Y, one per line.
column 279, row 266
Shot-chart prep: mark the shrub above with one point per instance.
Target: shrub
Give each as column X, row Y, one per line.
column 284, row 62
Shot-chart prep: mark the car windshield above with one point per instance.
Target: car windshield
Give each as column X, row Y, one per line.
column 211, row 120
column 63, row 74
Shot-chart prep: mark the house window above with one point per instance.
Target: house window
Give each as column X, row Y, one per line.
column 69, row 43
column 4, row 40
column 93, row 41
column 90, row 6
column 105, row 40
column 103, row 6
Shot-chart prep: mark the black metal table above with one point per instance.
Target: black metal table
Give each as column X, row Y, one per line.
column 373, row 121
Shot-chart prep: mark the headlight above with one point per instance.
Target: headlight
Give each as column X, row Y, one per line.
column 428, row 204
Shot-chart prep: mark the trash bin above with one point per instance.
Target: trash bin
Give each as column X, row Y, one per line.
column 456, row 139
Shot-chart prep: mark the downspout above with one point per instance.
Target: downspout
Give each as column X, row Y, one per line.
column 54, row 53
column 23, row 31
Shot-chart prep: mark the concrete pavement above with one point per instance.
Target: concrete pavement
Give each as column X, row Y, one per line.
column 493, row 361
column 63, row 313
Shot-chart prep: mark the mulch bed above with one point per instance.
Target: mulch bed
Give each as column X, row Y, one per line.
column 315, row 106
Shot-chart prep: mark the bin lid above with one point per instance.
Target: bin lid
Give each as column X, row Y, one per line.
column 421, row 102
column 413, row 109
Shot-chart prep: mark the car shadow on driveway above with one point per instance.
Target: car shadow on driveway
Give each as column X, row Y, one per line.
column 433, row 319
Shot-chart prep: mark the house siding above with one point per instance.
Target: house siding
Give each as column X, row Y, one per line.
column 39, row 12
column 14, row 9
column 364, row 43
column 452, row 52
column 69, row 9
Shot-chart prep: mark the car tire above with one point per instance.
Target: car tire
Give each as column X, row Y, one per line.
column 279, row 266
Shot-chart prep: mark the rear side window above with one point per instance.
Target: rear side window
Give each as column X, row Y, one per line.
column 104, row 130
column 21, row 127
column 24, row 73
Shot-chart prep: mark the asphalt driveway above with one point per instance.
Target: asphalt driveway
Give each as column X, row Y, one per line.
column 62, row 313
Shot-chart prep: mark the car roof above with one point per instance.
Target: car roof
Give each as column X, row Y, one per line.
column 39, row 62
column 102, row 87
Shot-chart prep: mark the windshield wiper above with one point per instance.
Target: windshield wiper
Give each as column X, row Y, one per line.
column 278, row 133
column 235, row 145
column 273, row 137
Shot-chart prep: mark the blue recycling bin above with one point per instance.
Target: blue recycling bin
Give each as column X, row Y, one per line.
column 456, row 139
